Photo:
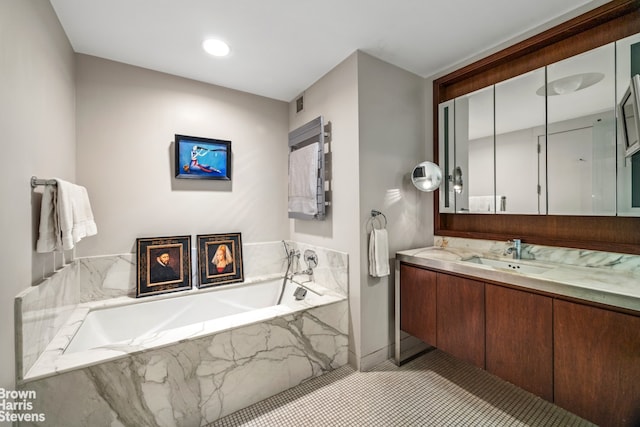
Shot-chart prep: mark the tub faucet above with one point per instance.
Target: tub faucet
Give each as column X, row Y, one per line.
column 311, row 258
column 308, row 271
column 515, row 248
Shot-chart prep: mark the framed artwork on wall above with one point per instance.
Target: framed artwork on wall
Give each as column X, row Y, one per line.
column 219, row 259
column 164, row 265
column 202, row 158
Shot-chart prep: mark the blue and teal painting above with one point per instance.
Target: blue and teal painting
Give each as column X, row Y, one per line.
column 203, row 159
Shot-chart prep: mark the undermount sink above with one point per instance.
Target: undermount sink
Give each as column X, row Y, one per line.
column 514, row 265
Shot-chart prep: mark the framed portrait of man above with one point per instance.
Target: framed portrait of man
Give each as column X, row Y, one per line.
column 164, row 265
column 219, row 259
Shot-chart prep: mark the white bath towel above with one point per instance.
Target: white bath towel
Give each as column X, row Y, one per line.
column 483, row 204
column 65, row 217
column 378, row 253
column 303, row 180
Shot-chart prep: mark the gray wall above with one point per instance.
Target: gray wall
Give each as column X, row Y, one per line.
column 37, row 118
column 127, row 117
column 391, row 117
column 377, row 114
column 335, row 96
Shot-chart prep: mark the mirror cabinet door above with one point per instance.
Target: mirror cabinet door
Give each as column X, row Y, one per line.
column 473, row 176
column 446, row 144
column 520, row 136
column 581, row 134
column 628, row 188
column 544, row 142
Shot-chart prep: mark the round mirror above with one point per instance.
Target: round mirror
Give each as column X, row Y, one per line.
column 426, row 176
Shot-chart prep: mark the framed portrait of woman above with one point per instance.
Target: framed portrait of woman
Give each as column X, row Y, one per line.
column 219, row 259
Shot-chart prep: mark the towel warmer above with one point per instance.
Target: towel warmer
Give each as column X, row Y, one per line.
column 309, row 133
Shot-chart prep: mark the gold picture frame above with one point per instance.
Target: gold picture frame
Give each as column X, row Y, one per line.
column 164, row 265
column 219, row 259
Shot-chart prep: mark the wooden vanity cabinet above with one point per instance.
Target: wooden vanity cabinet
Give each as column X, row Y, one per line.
column 519, row 338
column 597, row 363
column 418, row 303
column 460, row 318
column 582, row 357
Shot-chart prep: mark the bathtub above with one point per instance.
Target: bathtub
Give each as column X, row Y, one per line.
column 146, row 322
column 190, row 357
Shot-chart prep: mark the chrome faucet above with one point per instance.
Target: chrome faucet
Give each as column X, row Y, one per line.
column 311, row 259
column 515, row 248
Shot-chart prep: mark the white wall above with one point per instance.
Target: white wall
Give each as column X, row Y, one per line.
column 126, row 121
column 38, row 131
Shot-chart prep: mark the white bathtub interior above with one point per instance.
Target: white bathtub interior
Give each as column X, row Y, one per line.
column 141, row 321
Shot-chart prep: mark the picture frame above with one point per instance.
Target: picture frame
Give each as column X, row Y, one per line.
column 219, row 259
column 202, row 158
column 163, row 265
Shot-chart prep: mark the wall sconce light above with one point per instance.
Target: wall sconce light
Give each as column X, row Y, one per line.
column 426, row 176
column 457, row 180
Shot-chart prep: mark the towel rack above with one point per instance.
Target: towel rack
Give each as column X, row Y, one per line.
column 309, row 133
column 375, row 216
column 36, row 182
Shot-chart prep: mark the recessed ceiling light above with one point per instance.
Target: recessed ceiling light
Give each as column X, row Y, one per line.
column 570, row 84
column 215, row 47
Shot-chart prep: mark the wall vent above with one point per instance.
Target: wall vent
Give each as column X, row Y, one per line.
column 299, row 103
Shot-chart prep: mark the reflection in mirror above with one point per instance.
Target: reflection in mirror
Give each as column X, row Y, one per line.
column 446, row 144
column 580, row 150
column 474, row 151
column 628, row 188
column 520, row 123
column 426, row 176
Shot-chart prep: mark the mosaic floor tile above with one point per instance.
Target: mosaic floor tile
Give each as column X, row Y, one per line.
column 434, row 389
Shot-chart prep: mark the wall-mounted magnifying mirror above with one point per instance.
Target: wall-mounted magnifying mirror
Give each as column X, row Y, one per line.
column 426, row 176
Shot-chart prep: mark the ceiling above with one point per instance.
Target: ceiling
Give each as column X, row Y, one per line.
column 281, row 47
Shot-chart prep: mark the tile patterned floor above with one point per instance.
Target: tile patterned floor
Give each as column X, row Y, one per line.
column 432, row 390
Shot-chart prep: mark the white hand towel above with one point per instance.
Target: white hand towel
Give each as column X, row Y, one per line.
column 49, row 229
column 378, row 253
column 74, row 213
column 303, row 180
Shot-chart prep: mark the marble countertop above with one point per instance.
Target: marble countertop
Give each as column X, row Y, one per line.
column 600, row 285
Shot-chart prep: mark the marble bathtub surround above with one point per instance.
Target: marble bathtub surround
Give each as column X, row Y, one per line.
column 54, row 360
column 607, row 278
column 104, row 277
column 111, row 276
column 197, row 381
column 41, row 310
column 332, row 269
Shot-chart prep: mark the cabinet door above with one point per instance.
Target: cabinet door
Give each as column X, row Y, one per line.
column 418, row 303
column 460, row 318
column 519, row 338
column 597, row 363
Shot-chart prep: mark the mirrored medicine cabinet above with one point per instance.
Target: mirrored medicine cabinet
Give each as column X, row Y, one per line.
column 546, row 142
